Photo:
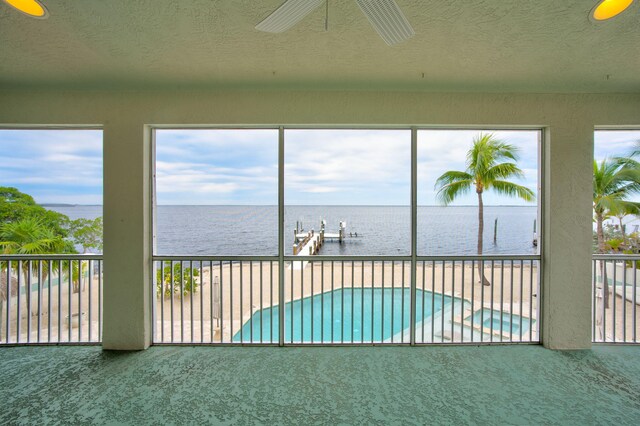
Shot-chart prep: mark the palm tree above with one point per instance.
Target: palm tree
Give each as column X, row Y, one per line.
column 630, row 169
column 29, row 236
column 620, row 212
column 614, row 181
column 490, row 162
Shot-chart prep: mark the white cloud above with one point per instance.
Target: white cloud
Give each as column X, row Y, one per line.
column 55, row 166
column 443, row 150
column 322, row 189
column 611, row 143
column 240, row 167
column 354, row 166
column 321, row 166
column 216, row 166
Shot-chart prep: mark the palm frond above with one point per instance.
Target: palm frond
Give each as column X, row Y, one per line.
column 628, row 173
column 502, row 171
column 614, row 181
column 486, row 151
column 609, row 204
column 629, row 161
column 8, row 247
column 626, row 188
column 633, row 153
column 513, row 190
column 450, row 191
column 623, row 208
column 31, row 236
column 452, row 184
column 452, row 176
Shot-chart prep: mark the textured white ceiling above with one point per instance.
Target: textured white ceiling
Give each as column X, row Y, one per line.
column 460, row 46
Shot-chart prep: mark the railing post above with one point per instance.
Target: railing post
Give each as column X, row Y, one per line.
column 281, row 236
column 414, row 227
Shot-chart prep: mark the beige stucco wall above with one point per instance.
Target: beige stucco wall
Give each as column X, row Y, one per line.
column 568, row 120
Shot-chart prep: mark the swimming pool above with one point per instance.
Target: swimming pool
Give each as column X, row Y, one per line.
column 510, row 323
column 55, row 281
column 358, row 315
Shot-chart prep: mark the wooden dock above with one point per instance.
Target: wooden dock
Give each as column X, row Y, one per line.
column 309, row 243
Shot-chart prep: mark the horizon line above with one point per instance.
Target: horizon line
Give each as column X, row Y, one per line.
column 297, row 205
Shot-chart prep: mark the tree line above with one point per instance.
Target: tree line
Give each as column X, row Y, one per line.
column 28, row 228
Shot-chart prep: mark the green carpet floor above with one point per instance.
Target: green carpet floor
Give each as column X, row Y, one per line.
column 356, row 385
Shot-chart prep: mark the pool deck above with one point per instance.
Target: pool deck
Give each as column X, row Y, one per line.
column 349, row 385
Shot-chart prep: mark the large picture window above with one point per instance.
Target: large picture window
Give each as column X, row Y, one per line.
column 355, row 184
column 51, row 233
column 216, row 191
column 306, row 236
column 458, row 169
column 616, row 236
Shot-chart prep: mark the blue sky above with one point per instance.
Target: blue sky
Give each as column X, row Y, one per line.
column 53, row 166
column 365, row 167
column 217, row 166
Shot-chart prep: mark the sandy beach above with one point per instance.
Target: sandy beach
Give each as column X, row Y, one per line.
column 49, row 313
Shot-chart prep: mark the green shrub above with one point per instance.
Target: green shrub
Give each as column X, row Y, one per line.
column 185, row 278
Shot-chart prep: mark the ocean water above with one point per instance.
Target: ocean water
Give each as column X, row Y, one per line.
column 381, row 230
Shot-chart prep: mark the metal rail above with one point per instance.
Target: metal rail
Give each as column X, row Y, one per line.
column 50, row 299
column 287, row 258
column 615, row 297
column 346, row 300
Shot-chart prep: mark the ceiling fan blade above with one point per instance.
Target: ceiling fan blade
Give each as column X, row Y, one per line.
column 287, row 15
column 387, row 19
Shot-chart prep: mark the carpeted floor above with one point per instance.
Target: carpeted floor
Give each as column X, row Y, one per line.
column 350, row 385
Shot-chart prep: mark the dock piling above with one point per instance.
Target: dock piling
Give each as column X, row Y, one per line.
column 495, row 231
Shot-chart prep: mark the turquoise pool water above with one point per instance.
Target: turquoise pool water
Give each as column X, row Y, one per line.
column 35, row 285
column 343, row 316
column 45, row 285
column 503, row 319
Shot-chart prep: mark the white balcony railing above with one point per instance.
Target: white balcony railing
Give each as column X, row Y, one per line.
column 346, row 300
column 50, row 299
column 615, row 299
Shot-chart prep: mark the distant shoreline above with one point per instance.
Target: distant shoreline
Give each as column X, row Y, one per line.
column 68, row 205
column 294, row 205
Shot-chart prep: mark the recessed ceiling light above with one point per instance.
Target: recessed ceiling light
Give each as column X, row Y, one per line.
column 607, row 9
column 32, row 8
